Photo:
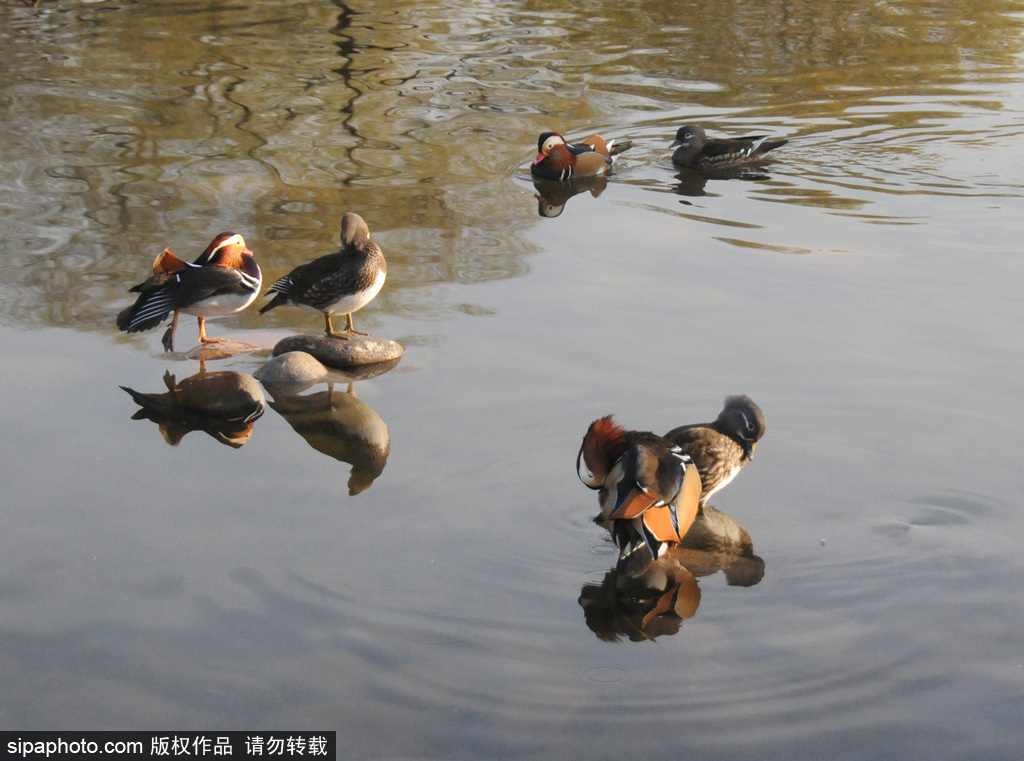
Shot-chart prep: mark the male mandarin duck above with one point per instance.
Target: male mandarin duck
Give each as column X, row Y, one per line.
column 649, row 488
column 721, row 448
column 694, row 149
column 558, row 159
column 342, row 283
column 225, row 279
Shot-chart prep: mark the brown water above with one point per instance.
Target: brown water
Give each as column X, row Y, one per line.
column 863, row 288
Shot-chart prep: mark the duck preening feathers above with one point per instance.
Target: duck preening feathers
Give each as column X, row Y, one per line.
column 649, row 488
column 225, row 279
column 721, row 448
column 340, row 283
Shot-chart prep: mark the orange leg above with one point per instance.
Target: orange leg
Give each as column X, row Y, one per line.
column 202, row 333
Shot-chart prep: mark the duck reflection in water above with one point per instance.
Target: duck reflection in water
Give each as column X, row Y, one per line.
column 652, row 599
column 553, row 195
column 340, row 425
column 224, row 405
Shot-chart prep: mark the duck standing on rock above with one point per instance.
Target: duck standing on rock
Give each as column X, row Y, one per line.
column 558, row 159
column 225, row 279
column 695, row 150
column 340, row 283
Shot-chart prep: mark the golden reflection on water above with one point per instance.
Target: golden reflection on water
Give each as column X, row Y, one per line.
column 130, row 130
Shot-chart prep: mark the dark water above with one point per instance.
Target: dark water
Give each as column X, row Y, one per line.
column 863, row 288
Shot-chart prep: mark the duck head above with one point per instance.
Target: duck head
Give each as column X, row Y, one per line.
column 743, row 421
column 226, row 250
column 603, row 445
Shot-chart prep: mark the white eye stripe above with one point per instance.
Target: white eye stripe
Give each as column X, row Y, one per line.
column 552, row 142
column 586, row 476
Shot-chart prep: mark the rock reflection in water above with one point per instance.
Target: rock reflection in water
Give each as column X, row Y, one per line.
column 340, row 425
column 224, row 405
column 652, row 601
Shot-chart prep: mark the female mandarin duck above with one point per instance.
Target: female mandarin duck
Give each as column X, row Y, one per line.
column 649, row 488
column 343, row 282
column 695, row 150
column 721, row 448
column 223, row 280
column 558, row 159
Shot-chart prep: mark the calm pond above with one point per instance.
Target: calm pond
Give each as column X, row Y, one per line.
column 412, row 561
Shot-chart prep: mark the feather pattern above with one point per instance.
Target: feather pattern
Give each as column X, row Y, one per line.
column 343, row 282
column 694, row 149
column 558, row 159
column 649, row 489
column 721, row 448
column 225, row 279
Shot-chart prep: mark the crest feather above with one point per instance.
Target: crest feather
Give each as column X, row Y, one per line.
column 605, row 441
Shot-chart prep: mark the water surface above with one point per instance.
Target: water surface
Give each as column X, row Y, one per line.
column 863, row 288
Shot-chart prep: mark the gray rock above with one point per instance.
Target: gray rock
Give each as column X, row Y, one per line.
column 343, row 353
column 293, row 369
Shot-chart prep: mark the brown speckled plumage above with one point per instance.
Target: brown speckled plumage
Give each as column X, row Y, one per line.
column 341, row 283
column 720, row 449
